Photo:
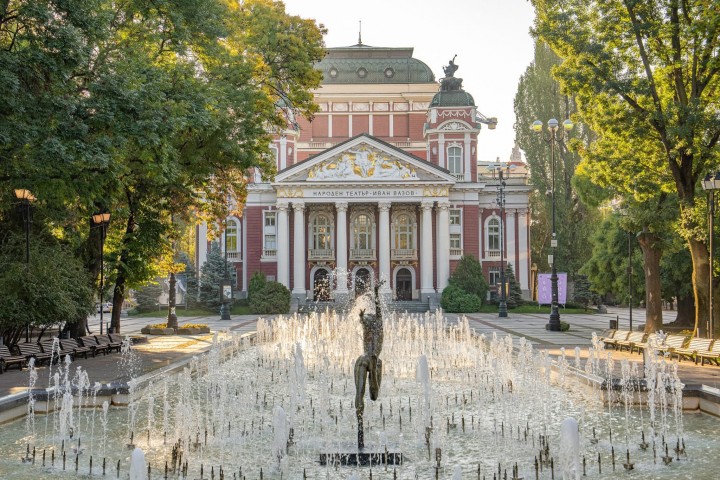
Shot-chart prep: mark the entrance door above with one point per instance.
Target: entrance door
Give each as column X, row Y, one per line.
column 403, row 284
column 321, row 291
column 362, row 281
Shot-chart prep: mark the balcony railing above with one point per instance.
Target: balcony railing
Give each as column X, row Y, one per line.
column 321, row 254
column 362, row 254
column 492, row 253
column 269, row 253
column 404, row 254
column 234, row 256
column 456, row 252
column 459, row 176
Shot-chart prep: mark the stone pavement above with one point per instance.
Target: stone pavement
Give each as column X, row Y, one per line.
column 161, row 351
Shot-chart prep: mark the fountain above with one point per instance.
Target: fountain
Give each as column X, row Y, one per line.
column 453, row 405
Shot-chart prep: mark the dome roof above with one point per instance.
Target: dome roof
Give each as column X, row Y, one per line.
column 365, row 64
column 452, row 98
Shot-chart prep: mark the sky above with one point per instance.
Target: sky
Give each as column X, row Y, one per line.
column 490, row 37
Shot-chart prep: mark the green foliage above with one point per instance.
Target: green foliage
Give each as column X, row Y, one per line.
column 147, row 297
column 582, row 295
column 564, row 326
column 53, row 288
column 456, row 300
column 468, row 277
column 514, row 292
column 257, row 283
column 192, row 295
column 272, row 298
column 212, row 274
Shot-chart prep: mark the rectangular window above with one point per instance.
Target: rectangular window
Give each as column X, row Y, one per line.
column 455, row 164
column 494, row 274
column 455, row 217
column 269, row 219
column 455, row 241
column 270, row 243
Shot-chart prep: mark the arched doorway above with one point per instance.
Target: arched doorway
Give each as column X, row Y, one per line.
column 403, row 284
column 321, row 283
column 362, row 281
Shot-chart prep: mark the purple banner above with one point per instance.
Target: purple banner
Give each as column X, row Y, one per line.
column 545, row 289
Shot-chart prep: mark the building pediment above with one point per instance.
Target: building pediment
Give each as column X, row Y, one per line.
column 364, row 159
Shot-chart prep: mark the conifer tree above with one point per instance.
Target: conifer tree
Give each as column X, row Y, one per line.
column 514, row 296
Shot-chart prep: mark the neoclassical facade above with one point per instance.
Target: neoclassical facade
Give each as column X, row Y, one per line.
column 384, row 183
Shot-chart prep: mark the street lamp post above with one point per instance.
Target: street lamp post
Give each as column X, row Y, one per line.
column 710, row 184
column 555, row 135
column 26, row 198
column 503, row 172
column 102, row 220
column 225, row 287
column 630, row 277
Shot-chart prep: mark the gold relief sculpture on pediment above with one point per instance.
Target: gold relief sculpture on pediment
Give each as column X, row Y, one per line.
column 362, row 163
column 289, row 192
column 436, row 192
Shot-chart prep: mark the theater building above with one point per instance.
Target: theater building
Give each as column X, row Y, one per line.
column 384, row 183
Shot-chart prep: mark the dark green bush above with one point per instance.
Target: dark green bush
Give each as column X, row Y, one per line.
column 468, row 276
column 257, row 282
column 273, row 298
column 564, row 326
column 455, row 300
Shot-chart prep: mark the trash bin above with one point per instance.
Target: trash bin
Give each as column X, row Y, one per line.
column 613, row 324
column 110, row 329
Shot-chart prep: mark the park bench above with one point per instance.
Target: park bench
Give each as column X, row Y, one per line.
column 640, row 346
column 76, row 349
column 632, row 339
column 671, row 343
column 7, row 359
column 118, row 338
column 695, row 346
column 57, row 352
column 712, row 355
column 105, row 340
column 615, row 337
column 33, row 350
column 91, row 342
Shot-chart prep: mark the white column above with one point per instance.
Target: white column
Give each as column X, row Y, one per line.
column 443, row 245
column 523, row 242
column 283, row 152
column 441, row 150
column 384, row 245
column 283, row 245
column 481, row 239
column 299, row 249
column 510, row 242
column 341, row 247
column 245, row 252
column 426, row 255
column 202, row 248
column 466, row 154
column 370, row 124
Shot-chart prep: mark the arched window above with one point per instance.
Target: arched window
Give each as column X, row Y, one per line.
column 404, row 232
column 362, row 232
column 454, row 160
column 321, row 237
column 493, row 234
column 231, row 236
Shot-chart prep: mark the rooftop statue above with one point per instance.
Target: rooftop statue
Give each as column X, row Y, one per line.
column 450, row 82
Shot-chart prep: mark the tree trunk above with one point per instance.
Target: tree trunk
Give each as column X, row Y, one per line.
column 121, row 280
column 685, row 311
column 701, row 287
column 650, row 246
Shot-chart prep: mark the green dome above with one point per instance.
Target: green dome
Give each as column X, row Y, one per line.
column 375, row 65
column 452, row 98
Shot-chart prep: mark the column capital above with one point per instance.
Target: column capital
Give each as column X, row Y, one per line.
column 384, row 206
column 341, row 206
column 443, row 205
column 427, row 204
column 298, row 206
column 282, row 206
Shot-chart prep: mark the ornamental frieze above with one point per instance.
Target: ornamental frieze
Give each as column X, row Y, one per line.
column 362, row 163
column 290, row 192
column 435, row 192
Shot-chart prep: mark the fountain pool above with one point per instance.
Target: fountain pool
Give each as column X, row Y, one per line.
column 268, row 406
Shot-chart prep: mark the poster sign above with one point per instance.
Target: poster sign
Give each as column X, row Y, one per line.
column 227, row 292
column 545, row 289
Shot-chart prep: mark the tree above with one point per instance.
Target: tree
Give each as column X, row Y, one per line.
column 456, row 300
column 539, row 97
column 514, row 292
column 583, row 294
column 212, row 276
column 256, row 284
column 645, row 75
column 468, row 277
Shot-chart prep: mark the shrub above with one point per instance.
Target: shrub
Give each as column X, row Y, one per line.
column 147, row 297
column 257, row 282
column 564, row 326
column 456, row 300
column 514, row 292
column 468, row 276
column 273, row 298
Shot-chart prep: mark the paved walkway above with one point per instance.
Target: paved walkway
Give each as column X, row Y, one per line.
column 161, row 351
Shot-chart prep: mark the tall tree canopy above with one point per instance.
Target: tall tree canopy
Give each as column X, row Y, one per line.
column 539, row 98
column 145, row 108
column 645, row 75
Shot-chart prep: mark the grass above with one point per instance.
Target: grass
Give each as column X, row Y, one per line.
column 192, row 312
column 534, row 309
